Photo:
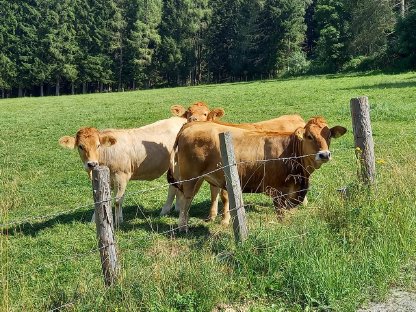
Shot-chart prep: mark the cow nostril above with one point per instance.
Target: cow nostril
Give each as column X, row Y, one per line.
column 324, row 155
column 92, row 164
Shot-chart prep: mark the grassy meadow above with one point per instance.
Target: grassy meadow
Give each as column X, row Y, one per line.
column 332, row 255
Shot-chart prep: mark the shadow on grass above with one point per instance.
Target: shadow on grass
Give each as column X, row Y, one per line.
column 391, row 85
column 135, row 217
column 32, row 228
column 138, row 218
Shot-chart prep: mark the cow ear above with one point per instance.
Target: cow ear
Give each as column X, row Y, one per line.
column 338, row 131
column 178, row 110
column 107, row 140
column 299, row 132
column 67, row 142
column 216, row 113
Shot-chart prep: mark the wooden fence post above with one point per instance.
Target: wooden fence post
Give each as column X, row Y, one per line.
column 238, row 214
column 104, row 223
column 363, row 138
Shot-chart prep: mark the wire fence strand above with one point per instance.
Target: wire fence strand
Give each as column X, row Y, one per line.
column 32, row 219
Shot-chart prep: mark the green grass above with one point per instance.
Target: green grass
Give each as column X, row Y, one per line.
column 333, row 254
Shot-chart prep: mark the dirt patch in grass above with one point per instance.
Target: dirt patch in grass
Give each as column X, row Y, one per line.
column 398, row 300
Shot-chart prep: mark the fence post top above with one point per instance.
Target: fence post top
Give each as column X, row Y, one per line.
column 100, row 168
column 359, row 99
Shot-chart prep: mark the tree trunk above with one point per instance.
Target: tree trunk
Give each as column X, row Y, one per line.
column 84, row 87
column 120, row 72
column 41, row 90
column 72, row 88
column 101, row 87
column 20, row 92
column 57, row 86
column 2, row 93
column 402, row 8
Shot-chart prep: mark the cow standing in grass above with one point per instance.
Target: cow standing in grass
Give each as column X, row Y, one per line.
column 135, row 154
column 285, row 123
column 278, row 164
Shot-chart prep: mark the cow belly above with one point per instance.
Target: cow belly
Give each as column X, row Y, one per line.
column 150, row 171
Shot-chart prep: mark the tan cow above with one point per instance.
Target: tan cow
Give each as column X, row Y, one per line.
column 134, row 154
column 278, row 164
column 198, row 111
column 285, row 123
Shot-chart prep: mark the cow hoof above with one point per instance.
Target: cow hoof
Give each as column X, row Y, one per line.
column 210, row 218
column 183, row 229
column 165, row 211
column 225, row 222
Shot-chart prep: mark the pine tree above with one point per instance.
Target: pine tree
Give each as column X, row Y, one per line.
column 371, row 23
column 59, row 41
column 281, row 34
column 182, row 30
column 8, row 25
column 332, row 22
column 143, row 18
column 224, row 39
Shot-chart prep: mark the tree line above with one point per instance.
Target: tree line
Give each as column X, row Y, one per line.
column 81, row 46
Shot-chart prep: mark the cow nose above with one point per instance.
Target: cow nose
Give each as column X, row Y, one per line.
column 324, row 155
column 92, row 164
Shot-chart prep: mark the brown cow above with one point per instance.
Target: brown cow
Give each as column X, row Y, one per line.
column 133, row 154
column 278, row 164
column 285, row 123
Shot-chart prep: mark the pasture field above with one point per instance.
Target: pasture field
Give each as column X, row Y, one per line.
column 332, row 255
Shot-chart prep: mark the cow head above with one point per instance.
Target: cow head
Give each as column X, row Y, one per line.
column 198, row 111
column 88, row 141
column 315, row 139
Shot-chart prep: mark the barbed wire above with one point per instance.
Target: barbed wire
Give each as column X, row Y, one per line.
column 62, row 306
column 55, row 214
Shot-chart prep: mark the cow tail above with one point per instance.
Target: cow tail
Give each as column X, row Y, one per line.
column 172, row 181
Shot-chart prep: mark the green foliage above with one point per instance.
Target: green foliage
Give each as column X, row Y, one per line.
column 116, row 45
column 406, row 43
column 372, row 21
column 332, row 21
column 281, row 32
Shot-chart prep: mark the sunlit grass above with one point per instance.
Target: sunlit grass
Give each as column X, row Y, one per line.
column 333, row 254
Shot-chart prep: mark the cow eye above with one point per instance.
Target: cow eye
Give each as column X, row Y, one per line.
column 205, row 114
column 80, row 147
column 310, row 137
column 98, row 146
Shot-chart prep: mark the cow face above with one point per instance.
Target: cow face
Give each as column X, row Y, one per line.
column 315, row 139
column 88, row 141
column 198, row 111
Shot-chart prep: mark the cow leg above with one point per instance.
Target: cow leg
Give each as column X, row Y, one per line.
column 213, row 211
column 120, row 184
column 197, row 187
column 183, row 202
column 226, row 208
column 169, row 201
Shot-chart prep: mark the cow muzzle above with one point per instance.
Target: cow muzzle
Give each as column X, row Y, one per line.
column 91, row 164
column 323, row 156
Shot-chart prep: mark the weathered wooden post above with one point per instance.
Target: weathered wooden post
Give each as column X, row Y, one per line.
column 104, row 223
column 238, row 214
column 363, row 138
